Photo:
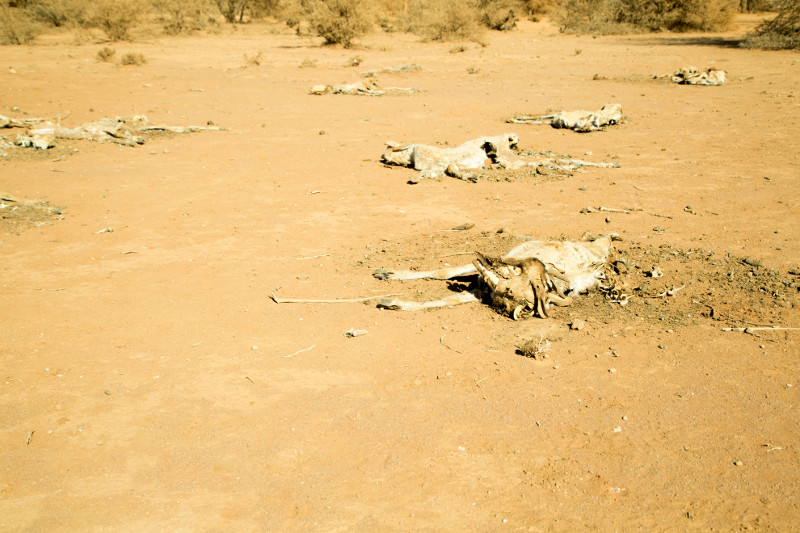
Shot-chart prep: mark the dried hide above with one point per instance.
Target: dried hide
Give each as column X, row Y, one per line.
column 127, row 131
column 499, row 152
column 693, row 76
column 581, row 121
column 526, row 281
column 370, row 88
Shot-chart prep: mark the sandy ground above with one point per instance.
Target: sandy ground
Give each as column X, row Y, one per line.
column 150, row 383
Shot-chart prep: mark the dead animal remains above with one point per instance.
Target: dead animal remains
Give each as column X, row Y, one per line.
column 369, row 88
column 127, row 131
column 694, row 76
column 527, row 281
column 501, row 151
column 581, row 120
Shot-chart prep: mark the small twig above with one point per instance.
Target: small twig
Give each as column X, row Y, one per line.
column 250, row 380
column 441, row 341
column 334, row 301
column 457, row 253
column 197, row 344
column 312, row 257
column 749, row 329
column 104, row 230
column 30, row 436
column 657, row 215
column 478, row 383
column 129, row 252
column 300, row 351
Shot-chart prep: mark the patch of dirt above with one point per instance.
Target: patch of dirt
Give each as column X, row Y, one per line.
column 148, row 369
column 17, row 215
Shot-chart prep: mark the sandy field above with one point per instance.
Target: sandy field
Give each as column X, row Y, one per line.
column 150, row 383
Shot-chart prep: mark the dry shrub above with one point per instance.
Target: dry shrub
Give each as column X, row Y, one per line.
column 116, row 17
column 232, row 10
column 106, row 54
column 444, row 20
column 16, row 27
column 624, row 16
column 184, row 16
column 266, row 8
column 501, row 15
column 537, row 7
column 132, row 58
column 339, row 21
column 58, row 13
column 780, row 33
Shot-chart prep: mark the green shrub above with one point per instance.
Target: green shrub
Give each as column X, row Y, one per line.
column 444, row 20
column 779, row 33
column 340, row 21
column 116, row 17
column 16, row 27
column 623, row 16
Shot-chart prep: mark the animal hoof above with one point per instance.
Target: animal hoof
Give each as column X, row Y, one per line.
column 516, row 314
column 389, row 303
column 382, row 273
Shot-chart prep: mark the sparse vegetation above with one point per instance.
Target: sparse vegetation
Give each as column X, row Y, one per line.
column 16, row 27
column 781, row 32
column 184, row 16
column 444, row 20
column 116, row 17
column 626, row 16
column 58, row 13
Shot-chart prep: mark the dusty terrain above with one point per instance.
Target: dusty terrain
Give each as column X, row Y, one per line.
column 151, row 384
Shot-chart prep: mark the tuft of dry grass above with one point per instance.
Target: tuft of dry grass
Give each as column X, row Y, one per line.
column 106, row 54
column 253, row 60
column 132, row 58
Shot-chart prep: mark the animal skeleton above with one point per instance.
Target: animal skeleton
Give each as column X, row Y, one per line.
column 528, row 280
column 693, row 76
column 501, row 151
column 581, row 121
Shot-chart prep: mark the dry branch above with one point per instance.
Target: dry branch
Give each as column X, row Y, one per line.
column 332, row 301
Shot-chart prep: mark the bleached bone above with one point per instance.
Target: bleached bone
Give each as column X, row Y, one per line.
column 500, row 151
column 554, row 270
column 581, row 120
column 694, row 76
